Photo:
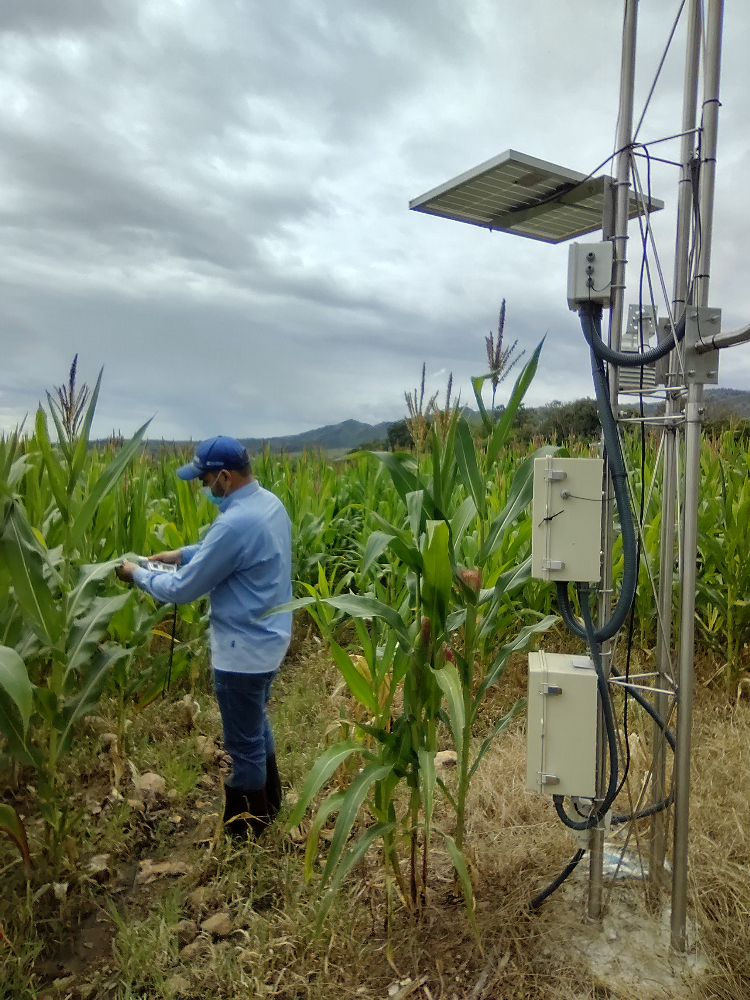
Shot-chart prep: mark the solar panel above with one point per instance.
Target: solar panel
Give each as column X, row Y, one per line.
column 519, row 194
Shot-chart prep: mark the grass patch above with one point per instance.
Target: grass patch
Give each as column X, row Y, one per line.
column 115, row 937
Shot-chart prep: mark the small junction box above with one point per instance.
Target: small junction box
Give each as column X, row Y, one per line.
column 589, row 274
column 566, row 526
column 561, row 725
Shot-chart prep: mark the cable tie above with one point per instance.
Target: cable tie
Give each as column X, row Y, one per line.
column 551, row 517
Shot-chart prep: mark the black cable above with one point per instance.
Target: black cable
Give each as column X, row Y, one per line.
column 537, row 901
column 649, row 708
column 609, row 725
column 631, row 622
column 591, row 314
column 171, row 653
column 592, row 332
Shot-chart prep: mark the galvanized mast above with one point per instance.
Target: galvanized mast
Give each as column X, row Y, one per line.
column 620, row 239
column 672, row 408
column 694, row 416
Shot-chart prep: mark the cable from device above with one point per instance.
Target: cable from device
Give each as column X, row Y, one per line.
column 591, row 313
column 609, row 725
column 568, row 870
column 168, row 678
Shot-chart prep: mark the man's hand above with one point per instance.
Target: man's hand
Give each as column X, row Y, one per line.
column 173, row 558
column 125, row 570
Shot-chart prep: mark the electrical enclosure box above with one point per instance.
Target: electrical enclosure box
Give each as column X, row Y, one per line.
column 561, row 725
column 566, row 513
column 589, row 273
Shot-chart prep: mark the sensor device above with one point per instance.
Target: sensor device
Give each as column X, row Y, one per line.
column 153, row 567
column 567, row 509
column 561, row 725
column 589, row 274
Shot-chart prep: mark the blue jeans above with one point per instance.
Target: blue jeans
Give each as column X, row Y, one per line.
column 248, row 738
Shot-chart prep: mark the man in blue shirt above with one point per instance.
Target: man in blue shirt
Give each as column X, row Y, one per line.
column 244, row 564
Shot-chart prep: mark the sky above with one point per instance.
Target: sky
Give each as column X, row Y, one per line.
column 209, row 198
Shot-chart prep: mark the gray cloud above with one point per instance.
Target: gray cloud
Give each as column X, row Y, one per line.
column 209, row 198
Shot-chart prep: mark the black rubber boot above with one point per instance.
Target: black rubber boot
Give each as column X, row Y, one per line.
column 245, row 811
column 274, row 794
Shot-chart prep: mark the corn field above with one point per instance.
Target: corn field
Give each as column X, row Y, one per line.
column 411, row 569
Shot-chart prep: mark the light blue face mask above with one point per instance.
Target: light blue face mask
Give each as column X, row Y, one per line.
column 212, row 497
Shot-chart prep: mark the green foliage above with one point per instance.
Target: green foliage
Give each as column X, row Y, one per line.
column 444, row 540
column 414, row 568
column 54, row 615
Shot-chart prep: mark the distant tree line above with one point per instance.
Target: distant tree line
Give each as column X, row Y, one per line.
column 556, row 422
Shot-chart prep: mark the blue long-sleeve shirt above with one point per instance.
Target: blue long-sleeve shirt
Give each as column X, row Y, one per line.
column 245, row 564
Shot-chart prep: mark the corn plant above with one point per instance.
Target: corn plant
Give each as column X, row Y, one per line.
column 428, row 643
column 723, row 588
column 54, row 608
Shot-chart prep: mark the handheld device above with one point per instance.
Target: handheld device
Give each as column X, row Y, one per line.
column 154, row 567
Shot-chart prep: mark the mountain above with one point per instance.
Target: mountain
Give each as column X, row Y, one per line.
column 735, row 402
column 332, row 437
column 337, row 439
column 340, row 438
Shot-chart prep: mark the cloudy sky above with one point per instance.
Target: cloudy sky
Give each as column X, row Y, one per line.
column 209, row 198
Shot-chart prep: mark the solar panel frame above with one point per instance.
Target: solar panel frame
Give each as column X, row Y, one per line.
column 525, row 196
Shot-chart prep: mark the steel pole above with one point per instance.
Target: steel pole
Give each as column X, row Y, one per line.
column 617, row 308
column 694, row 414
column 669, row 481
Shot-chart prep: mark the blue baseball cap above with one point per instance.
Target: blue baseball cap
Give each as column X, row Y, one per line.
column 215, row 454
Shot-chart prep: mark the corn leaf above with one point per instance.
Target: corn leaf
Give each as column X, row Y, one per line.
column 468, row 468
column 507, row 582
column 402, row 468
column 12, row 728
column 367, row 607
column 415, row 505
column 476, row 383
column 391, row 529
column 519, row 497
column 355, row 796
column 327, row 806
column 520, row 642
column 459, row 863
column 62, row 437
column 88, row 694
column 354, row 679
column 11, row 823
column 321, row 771
column 461, row 521
column 15, row 681
column 437, row 579
column 88, row 576
column 89, row 630
column 376, row 545
column 23, row 557
column 499, row 727
column 500, row 434
column 295, row 605
column 55, row 472
column 106, row 481
column 79, row 455
column 355, row 853
column 450, row 684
